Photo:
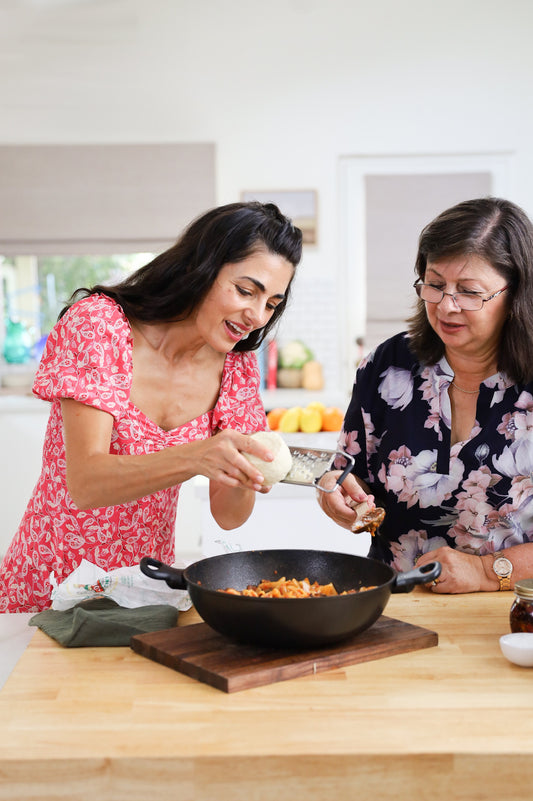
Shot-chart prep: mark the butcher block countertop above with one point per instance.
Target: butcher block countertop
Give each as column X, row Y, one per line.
column 452, row 722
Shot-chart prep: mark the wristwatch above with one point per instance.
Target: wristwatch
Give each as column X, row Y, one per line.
column 503, row 568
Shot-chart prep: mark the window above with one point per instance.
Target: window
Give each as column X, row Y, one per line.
column 63, row 203
column 34, row 289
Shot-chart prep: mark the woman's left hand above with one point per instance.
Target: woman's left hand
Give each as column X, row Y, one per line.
column 461, row 572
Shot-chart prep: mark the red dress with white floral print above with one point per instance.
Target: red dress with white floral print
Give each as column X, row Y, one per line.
column 88, row 357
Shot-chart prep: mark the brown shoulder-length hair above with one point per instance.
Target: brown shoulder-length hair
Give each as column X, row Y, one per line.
column 501, row 233
column 174, row 283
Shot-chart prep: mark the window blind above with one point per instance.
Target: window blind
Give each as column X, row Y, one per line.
column 101, row 199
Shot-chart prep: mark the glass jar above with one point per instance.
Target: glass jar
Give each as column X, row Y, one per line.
column 521, row 615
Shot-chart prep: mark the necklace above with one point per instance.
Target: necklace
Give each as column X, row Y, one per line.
column 466, row 391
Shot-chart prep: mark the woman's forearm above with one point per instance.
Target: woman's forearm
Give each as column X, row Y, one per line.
column 230, row 506
column 97, row 478
column 108, row 480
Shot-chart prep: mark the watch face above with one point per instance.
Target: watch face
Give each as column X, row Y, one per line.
column 502, row 566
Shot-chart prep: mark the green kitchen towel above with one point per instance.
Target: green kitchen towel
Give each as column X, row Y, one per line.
column 102, row 622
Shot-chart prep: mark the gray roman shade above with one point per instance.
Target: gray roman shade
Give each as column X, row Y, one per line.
column 101, row 199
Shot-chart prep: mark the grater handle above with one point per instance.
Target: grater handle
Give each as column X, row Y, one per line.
column 347, row 469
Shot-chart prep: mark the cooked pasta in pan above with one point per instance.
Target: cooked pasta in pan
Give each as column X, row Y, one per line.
column 290, row 588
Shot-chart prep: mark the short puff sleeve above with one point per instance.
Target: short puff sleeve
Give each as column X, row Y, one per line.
column 239, row 404
column 88, row 356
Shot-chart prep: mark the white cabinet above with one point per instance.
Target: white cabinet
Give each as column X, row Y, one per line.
column 22, row 427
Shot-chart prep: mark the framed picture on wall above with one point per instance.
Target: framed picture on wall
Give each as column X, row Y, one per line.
column 298, row 204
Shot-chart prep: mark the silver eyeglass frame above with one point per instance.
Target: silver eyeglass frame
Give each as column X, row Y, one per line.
column 418, row 284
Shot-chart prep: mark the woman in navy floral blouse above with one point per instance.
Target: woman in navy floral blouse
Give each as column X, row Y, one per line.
column 441, row 418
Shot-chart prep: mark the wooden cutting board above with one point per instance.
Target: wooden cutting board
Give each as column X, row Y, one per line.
column 201, row 653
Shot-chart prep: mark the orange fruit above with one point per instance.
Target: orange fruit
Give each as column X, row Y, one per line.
column 332, row 418
column 274, row 416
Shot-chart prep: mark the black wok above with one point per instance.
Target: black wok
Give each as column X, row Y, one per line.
column 289, row 622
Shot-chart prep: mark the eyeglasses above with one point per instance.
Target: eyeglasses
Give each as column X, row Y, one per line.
column 468, row 301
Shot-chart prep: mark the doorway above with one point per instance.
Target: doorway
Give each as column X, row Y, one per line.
column 385, row 203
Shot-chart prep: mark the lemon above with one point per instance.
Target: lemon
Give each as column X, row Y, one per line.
column 310, row 420
column 316, row 405
column 290, row 421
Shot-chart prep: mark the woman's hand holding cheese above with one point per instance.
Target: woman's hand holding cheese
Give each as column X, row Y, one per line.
column 271, row 456
column 233, row 459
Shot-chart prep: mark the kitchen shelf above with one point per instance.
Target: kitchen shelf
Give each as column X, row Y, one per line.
column 286, row 398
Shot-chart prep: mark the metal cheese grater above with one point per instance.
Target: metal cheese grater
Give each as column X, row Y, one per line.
column 310, row 464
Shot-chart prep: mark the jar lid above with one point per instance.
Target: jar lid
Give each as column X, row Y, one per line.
column 524, row 588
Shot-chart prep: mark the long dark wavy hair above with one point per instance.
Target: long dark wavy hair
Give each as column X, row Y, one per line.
column 500, row 233
column 174, row 283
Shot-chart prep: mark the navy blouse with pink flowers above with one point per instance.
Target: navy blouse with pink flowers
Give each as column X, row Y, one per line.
column 475, row 496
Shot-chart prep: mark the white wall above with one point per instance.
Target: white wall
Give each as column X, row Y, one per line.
column 283, row 88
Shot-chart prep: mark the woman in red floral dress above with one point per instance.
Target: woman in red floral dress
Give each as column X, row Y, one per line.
column 151, row 382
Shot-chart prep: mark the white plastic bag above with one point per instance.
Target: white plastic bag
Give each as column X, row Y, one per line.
column 125, row 585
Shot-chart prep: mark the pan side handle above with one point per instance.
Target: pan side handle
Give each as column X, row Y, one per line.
column 159, row 570
column 347, row 469
column 405, row 582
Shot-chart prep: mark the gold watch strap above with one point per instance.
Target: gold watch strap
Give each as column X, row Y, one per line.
column 505, row 581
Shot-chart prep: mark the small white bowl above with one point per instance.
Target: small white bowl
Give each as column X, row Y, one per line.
column 518, row 648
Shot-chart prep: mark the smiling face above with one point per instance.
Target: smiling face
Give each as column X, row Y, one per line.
column 243, row 298
column 471, row 333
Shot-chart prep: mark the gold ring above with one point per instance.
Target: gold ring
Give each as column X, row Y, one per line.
column 435, row 582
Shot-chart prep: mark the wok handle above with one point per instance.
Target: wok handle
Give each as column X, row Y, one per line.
column 159, row 570
column 405, row 582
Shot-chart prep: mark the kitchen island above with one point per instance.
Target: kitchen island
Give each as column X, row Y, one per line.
column 445, row 723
